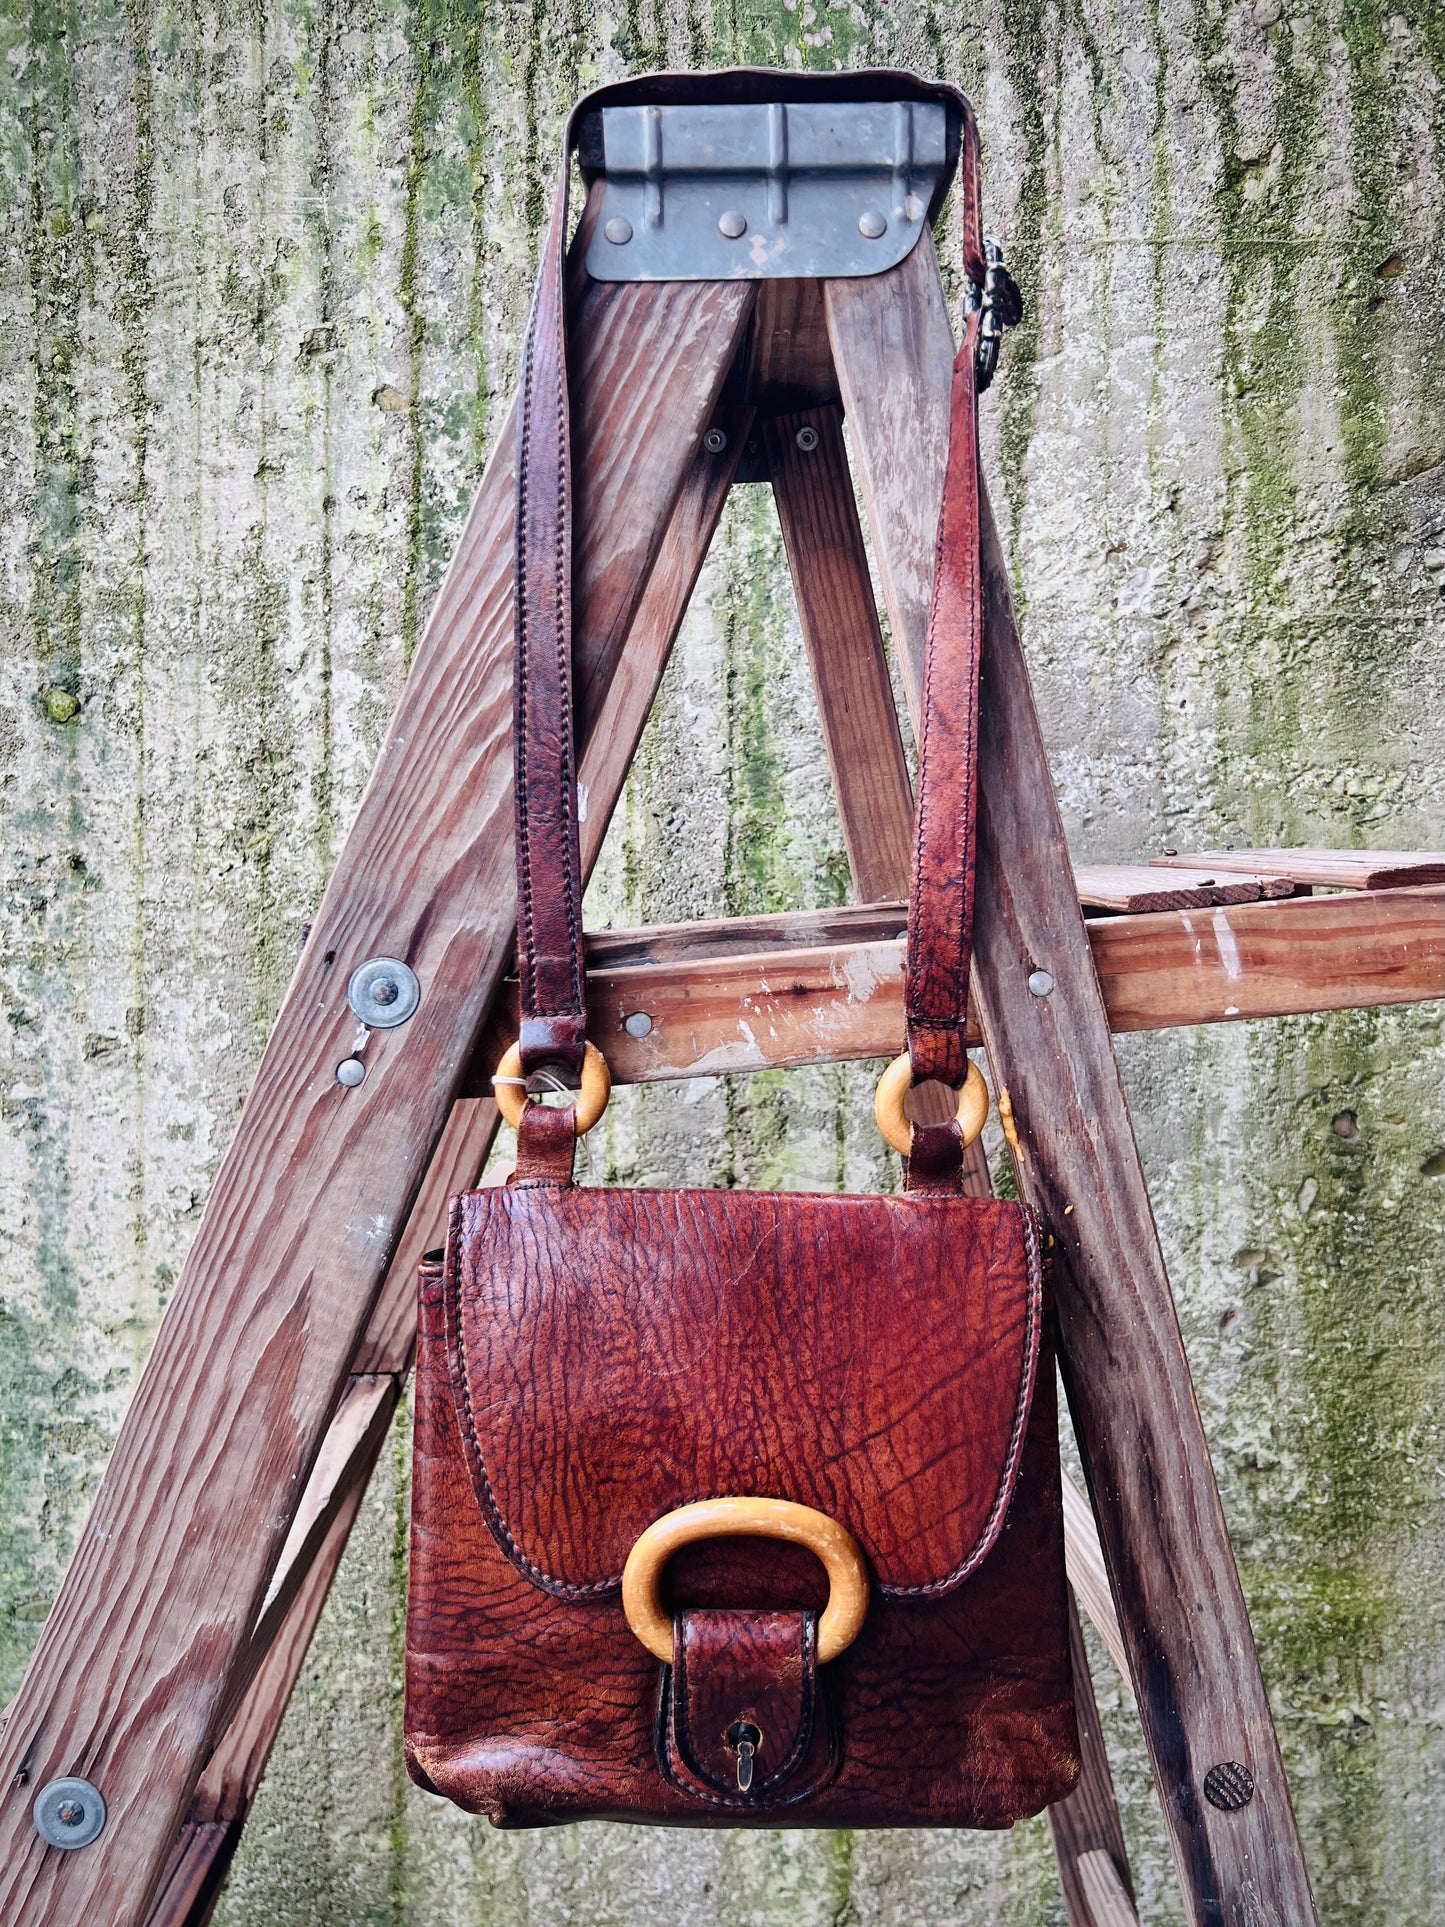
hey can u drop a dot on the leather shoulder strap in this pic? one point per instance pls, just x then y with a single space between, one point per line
549 883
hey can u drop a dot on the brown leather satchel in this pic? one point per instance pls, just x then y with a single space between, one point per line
734 1508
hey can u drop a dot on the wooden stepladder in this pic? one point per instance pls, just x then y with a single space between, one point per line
162 1672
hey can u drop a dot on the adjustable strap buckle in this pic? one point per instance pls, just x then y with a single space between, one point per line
1002 306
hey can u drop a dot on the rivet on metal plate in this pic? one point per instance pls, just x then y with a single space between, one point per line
872 225
732 225
618 230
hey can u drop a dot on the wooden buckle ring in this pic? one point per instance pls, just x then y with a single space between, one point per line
895 1084
509 1088
833 1544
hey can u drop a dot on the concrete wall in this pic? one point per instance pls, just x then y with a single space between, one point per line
264 272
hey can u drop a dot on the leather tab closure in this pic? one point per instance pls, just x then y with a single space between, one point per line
743 1719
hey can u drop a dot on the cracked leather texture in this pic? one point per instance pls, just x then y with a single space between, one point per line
949 1709
616 1354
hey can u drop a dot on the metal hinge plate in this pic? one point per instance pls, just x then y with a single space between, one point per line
761 191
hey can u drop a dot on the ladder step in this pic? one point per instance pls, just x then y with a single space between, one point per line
820 987
1333 869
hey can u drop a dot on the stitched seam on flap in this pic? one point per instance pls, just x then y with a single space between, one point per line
496 1520
1004 1496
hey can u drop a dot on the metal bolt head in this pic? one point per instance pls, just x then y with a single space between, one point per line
714 441
872 225
69 1813
807 439
731 224
1040 983
383 991
350 1071
1229 1786
637 1024
618 230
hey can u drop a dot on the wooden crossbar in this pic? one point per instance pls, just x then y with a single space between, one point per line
824 987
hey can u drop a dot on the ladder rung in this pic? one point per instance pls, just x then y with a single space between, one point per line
807 993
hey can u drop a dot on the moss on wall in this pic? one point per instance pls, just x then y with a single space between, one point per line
265 269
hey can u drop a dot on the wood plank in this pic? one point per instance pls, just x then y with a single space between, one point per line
713 1012
1338 869
829 565
215 1450
1131 888
1105 1897
1088 1576
1086 1825
1196 1675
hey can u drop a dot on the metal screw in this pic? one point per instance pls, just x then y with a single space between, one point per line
731 224
1229 1786
639 1024
350 1072
69 1813
871 224
383 992
618 230
807 439
1040 983
714 441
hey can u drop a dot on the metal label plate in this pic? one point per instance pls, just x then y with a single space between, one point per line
763 191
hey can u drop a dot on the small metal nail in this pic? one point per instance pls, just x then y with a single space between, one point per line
871 224
1229 1786
1040 983
69 1813
807 439
350 1072
714 441
383 992
637 1024
618 230
732 225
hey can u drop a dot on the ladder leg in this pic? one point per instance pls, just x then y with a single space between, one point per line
1088 1839
829 565
1195 1671
228 1786
132 1668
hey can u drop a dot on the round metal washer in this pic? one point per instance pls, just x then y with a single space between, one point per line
807 438
715 441
383 992
69 1813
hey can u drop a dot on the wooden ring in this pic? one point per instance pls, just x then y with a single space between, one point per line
833 1544
511 1093
895 1084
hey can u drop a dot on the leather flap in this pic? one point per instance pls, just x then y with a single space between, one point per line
616 1354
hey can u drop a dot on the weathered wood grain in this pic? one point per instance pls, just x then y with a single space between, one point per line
1201 1696
1338 869
161 1597
829 567
1130 888
1087 1822
348 1452
1104 1895
714 1005
1087 1573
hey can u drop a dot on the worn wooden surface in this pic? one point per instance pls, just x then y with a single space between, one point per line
1088 1823
264 275
1131 888
294 1246
713 1006
1338 869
